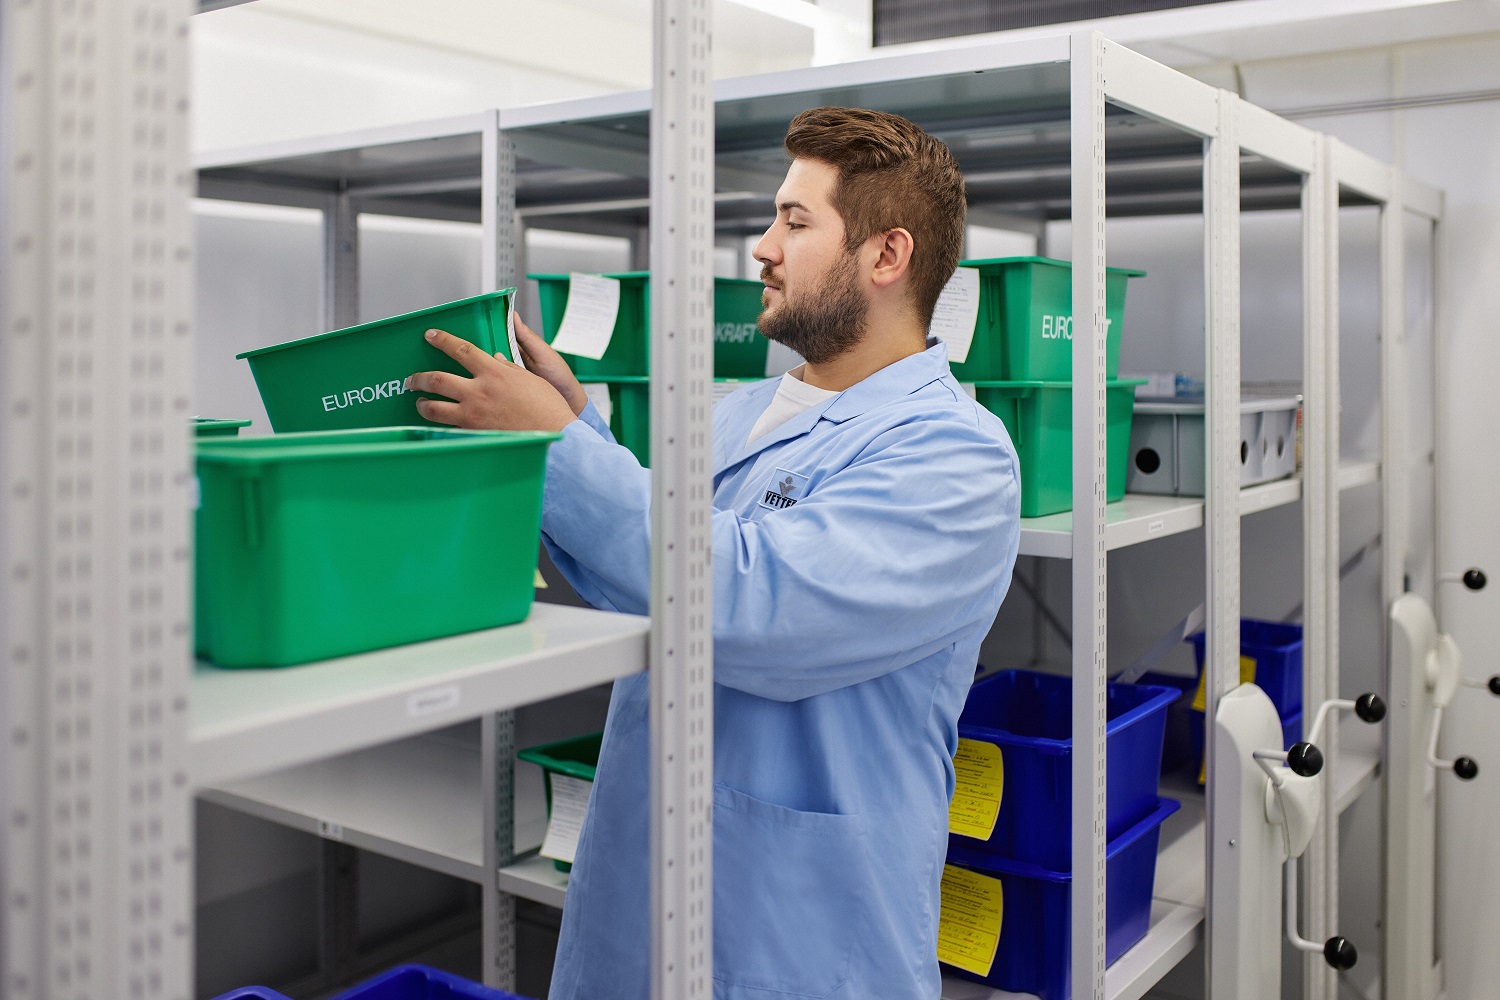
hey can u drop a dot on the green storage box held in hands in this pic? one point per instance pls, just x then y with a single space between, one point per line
319 545
356 377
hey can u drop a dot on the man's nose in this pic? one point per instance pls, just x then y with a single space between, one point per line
766 250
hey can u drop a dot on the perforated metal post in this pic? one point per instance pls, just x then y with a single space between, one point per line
1090 582
1319 472
1221 515
95 374
682 149
498 268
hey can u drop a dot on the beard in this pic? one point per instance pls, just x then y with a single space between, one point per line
827 323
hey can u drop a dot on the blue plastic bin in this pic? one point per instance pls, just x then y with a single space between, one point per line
253 993
1177 745
1276 648
1291 732
419 982
1033 952
1029 716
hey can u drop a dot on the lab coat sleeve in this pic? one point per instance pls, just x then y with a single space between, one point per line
886 561
595 419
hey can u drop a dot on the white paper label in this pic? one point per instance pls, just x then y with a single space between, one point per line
598 394
510 331
589 320
956 313
432 700
570 800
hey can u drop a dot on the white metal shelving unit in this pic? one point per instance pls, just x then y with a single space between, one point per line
1038 126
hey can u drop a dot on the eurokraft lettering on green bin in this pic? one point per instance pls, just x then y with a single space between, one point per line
739 348
356 377
312 546
1039 417
1024 331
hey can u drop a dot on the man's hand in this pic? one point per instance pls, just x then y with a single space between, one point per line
501 396
544 361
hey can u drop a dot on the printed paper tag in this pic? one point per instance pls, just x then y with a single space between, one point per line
1247 676
589 320
510 330
979 773
969 928
570 801
598 394
956 312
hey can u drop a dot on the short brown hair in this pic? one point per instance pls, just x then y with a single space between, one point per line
891 175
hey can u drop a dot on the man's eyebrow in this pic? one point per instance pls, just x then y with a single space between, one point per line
787 206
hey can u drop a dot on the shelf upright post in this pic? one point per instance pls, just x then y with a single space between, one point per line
681 660
1319 468
1090 579
95 390
498 269
1221 515
340 262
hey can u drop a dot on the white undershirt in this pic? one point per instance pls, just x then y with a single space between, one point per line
793 396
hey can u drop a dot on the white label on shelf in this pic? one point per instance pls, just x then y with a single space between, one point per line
598 394
1155 526
956 312
432 700
589 320
570 800
330 831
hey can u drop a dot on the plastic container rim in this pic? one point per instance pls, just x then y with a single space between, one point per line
1162 697
236 452
1129 272
1196 406
376 323
1005 866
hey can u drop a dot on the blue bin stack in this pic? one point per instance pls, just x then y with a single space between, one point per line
1276 648
1028 716
404 982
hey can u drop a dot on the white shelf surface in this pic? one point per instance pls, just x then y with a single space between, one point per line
1357 764
1141 517
247 721
535 878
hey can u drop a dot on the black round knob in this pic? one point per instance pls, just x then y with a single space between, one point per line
1305 759
1339 952
1465 768
1475 579
1370 707
1495 685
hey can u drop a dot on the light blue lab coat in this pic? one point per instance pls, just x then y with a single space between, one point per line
846 630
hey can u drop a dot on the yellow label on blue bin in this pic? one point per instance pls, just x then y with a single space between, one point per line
979 784
969 928
1247 676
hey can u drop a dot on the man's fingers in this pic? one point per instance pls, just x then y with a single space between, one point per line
442 383
460 350
440 412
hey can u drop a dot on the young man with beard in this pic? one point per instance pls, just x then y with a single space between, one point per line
864 531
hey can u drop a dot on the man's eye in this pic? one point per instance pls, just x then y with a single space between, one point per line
795 225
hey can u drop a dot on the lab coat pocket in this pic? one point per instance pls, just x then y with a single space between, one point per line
787 891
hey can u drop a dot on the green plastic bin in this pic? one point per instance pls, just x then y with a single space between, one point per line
1039 417
1024 331
630 408
577 758
319 545
356 377
739 348
208 427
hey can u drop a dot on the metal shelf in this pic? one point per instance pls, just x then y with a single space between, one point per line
1357 764
535 878
247 722
1141 517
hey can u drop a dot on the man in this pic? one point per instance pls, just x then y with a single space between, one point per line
864 531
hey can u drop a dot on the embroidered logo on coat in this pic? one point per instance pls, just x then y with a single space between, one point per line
784 490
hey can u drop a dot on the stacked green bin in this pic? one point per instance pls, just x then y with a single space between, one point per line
1024 330
577 757
630 409
319 545
209 427
1039 417
739 348
356 377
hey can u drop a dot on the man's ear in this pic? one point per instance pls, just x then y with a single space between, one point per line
893 256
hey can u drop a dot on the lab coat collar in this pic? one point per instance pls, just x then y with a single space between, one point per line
890 383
